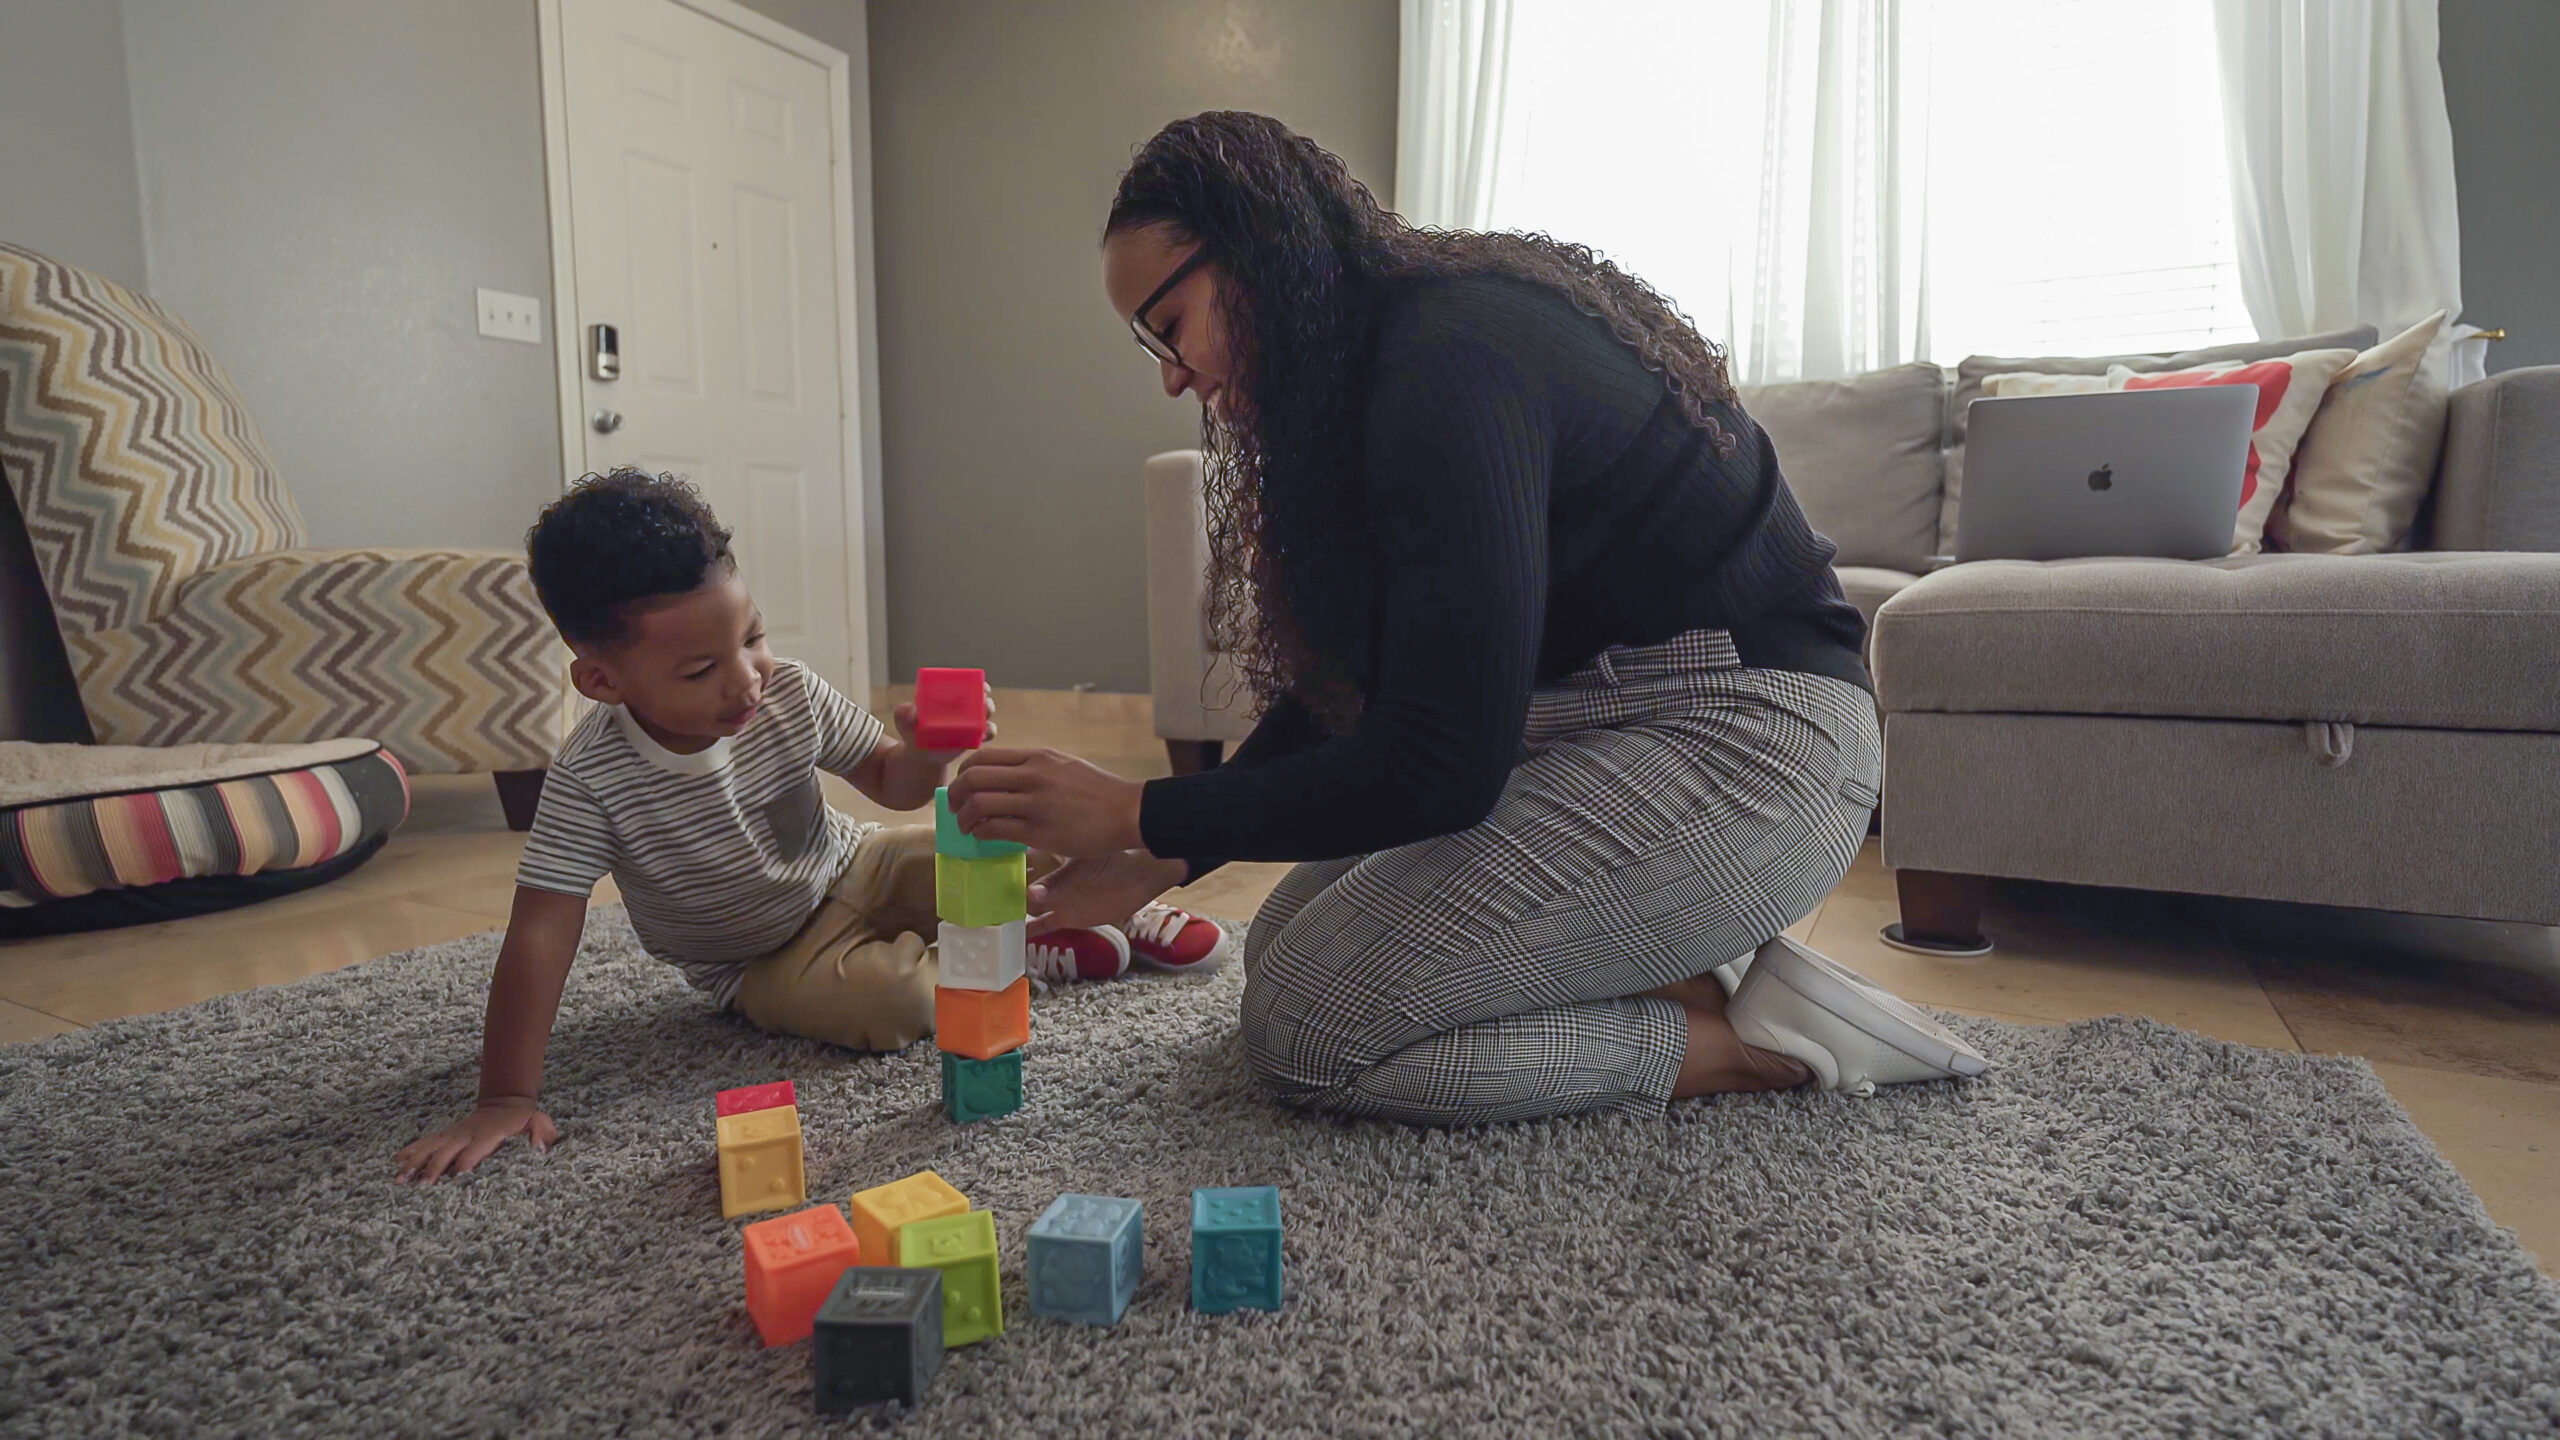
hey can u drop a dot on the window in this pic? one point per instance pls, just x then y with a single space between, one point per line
2022 176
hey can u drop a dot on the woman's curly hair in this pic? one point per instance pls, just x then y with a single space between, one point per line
1307 254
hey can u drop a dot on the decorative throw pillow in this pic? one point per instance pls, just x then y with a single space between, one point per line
2289 394
2367 462
2027 382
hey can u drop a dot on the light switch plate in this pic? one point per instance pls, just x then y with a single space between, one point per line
510 317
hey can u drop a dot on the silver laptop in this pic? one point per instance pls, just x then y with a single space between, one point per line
2152 473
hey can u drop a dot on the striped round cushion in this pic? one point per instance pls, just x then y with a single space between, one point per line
77 821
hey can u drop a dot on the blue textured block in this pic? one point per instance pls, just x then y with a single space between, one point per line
949 839
1086 1252
1235 1249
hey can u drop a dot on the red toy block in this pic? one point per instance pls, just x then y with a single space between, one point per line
951 709
757 1097
792 1262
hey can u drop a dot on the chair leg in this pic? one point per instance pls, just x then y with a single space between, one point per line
519 793
1941 911
1190 757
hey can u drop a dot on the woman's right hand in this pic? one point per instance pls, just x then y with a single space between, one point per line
1106 890
458 1147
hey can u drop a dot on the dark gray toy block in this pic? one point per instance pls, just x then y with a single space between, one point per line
878 1337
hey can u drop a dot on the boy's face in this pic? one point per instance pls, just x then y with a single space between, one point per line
691 668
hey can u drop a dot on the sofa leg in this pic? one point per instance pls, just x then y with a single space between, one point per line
519 792
1941 913
1190 757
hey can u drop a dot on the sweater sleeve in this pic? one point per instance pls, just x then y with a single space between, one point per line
1456 457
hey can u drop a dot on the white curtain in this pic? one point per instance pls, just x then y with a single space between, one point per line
2341 163
1451 111
1760 161
1838 254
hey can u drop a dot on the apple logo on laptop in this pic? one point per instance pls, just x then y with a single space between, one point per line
2104 477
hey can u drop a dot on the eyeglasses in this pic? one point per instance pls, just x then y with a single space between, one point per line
1154 344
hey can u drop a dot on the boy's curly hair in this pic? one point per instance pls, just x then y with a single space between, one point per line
616 539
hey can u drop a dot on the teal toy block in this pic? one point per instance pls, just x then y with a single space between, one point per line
963 1248
974 1090
949 839
1086 1253
1235 1249
991 892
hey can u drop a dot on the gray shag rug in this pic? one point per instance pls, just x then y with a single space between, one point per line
2129 1229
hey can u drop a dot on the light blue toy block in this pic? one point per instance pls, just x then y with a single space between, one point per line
949 839
1086 1253
1235 1249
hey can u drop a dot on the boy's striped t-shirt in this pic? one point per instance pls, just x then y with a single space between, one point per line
721 855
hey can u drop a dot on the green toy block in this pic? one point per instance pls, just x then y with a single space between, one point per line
963 1248
949 839
982 892
974 1090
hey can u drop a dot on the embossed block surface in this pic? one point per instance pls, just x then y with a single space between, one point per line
756 1097
981 892
881 1211
982 1024
963 1248
980 957
974 1090
792 1262
760 1161
1086 1252
879 1337
1235 1249
951 709
949 839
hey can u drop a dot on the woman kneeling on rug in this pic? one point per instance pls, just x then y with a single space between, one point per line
1563 708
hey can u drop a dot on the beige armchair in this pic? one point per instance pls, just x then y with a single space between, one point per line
189 601
1201 707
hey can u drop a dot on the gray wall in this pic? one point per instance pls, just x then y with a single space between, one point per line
2501 62
66 137
1016 410
323 186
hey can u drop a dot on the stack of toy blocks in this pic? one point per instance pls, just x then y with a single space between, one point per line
982 1010
759 1134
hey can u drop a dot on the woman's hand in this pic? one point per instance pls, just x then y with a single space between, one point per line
1081 894
1048 801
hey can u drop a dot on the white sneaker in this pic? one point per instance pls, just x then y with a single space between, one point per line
1854 1035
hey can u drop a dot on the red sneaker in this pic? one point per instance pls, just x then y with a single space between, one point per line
1171 939
1063 957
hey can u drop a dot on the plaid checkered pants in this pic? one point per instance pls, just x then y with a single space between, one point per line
1673 811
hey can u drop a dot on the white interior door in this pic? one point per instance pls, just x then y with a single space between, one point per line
704 230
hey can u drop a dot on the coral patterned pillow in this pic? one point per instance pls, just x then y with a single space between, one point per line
2289 394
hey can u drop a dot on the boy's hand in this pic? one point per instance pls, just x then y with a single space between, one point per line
904 776
464 1144
905 719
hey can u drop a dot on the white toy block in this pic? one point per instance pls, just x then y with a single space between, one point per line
981 957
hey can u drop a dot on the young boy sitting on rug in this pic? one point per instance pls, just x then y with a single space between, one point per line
694 783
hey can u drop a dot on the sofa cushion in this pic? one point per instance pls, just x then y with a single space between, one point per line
1869 586
1977 368
2440 640
1862 456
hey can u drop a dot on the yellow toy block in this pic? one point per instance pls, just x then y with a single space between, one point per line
760 1161
881 1212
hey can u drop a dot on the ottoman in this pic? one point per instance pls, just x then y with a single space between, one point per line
2378 731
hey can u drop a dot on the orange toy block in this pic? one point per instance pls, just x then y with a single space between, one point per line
793 1261
760 1161
880 1212
982 1024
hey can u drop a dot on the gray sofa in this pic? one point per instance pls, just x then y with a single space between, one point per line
2379 731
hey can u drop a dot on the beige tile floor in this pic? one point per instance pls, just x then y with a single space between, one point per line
2460 1019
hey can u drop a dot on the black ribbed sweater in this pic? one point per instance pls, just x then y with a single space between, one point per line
1537 496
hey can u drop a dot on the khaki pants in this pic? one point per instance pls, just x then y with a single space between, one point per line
861 973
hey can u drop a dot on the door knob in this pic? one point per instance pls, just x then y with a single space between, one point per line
606 421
